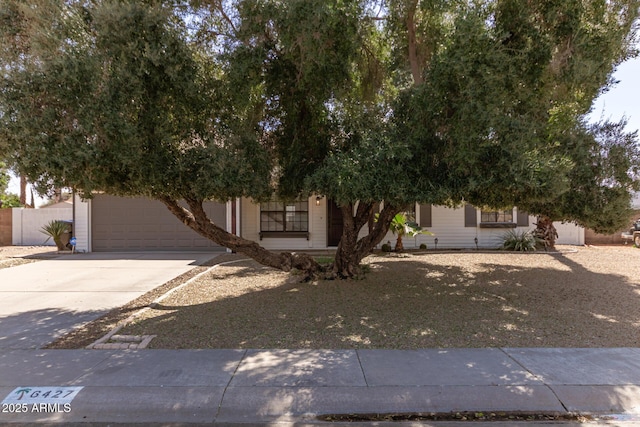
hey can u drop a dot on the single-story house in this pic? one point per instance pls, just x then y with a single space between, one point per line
110 223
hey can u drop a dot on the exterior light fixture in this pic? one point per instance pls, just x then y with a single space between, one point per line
318 198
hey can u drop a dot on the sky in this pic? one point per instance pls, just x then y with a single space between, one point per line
622 100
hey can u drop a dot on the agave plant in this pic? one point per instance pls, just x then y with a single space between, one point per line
55 229
525 241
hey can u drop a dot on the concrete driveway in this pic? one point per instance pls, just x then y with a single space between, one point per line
43 300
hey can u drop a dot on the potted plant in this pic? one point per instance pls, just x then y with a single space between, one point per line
59 231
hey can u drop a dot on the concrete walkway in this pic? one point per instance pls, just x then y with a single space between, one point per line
287 387
43 300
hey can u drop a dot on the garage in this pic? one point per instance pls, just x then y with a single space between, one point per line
138 224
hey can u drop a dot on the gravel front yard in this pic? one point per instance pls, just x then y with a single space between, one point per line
11 256
588 298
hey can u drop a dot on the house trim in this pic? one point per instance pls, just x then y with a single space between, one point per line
497 225
284 234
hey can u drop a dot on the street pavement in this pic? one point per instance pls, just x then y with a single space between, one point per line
256 387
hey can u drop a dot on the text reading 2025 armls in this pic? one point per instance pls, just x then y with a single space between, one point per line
15 408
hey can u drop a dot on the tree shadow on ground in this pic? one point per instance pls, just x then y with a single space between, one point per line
416 303
36 329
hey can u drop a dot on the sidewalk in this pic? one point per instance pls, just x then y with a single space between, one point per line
287 387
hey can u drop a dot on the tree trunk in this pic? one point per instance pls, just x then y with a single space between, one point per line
57 195
196 218
399 247
414 57
351 251
546 231
58 242
23 190
349 254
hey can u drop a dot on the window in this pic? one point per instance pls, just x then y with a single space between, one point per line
284 216
496 216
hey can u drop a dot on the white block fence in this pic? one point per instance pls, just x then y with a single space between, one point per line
27 224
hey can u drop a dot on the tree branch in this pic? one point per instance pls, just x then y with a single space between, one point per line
414 61
380 229
218 6
362 214
196 218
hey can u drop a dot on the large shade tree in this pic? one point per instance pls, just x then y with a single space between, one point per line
606 169
362 101
520 101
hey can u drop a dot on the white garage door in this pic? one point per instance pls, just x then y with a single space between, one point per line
137 224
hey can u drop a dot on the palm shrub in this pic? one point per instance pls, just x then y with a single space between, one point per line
404 225
524 241
55 229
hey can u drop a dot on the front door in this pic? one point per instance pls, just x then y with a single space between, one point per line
334 223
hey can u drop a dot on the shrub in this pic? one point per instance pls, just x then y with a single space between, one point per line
324 260
386 247
423 246
521 242
404 225
56 229
9 201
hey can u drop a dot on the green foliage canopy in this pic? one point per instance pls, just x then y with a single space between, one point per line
4 178
117 100
396 101
7 200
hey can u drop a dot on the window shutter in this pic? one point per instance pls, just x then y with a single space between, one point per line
425 216
470 217
523 219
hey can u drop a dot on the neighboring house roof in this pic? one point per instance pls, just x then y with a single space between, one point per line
65 204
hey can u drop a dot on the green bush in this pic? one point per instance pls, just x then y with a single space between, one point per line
521 242
9 201
386 247
423 246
